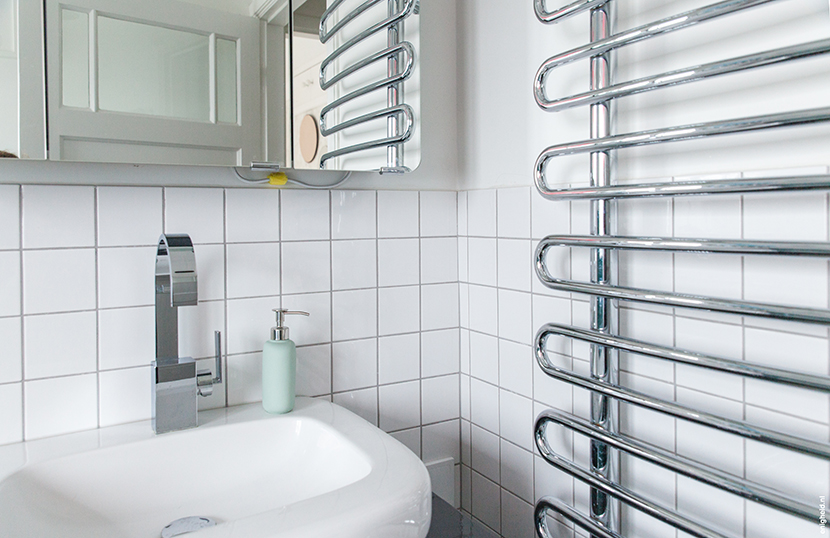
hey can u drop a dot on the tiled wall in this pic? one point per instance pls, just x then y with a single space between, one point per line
503 390
376 270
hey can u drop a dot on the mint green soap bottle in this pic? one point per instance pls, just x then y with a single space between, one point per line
279 367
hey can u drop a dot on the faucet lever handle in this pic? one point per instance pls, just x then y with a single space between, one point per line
205 379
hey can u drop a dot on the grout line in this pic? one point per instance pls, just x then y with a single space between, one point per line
226 323
22 321
330 199
420 327
96 237
377 307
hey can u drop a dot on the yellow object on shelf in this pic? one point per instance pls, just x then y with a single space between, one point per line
277 178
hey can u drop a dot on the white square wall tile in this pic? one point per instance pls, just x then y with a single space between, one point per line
58 216
548 217
516 417
514 316
354 264
516 364
484 405
305 215
250 322
462 213
442 441
126 337
514 212
197 326
253 269
411 439
400 406
439 214
785 280
244 379
465 352
482 261
11 351
787 216
210 267
60 344
517 470
466 489
717 217
252 215
314 370
440 352
466 441
484 308
129 216
398 310
11 420
481 213
485 453
486 501
399 358
363 403
439 260
439 399
484 357
306 267
9 217
59 280
353 215
714 275
397 214
10 283
515 264
517 517
61 405
126 276
354 314
198 212
354 364
398 262
439 306
312 329
463 260
125 395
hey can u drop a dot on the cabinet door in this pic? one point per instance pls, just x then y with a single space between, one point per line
156 81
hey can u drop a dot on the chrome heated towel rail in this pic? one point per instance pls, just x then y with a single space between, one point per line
606 392
400 60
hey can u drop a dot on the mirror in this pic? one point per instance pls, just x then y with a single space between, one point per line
356 79
201 82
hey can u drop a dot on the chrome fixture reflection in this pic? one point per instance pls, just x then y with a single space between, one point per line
175 379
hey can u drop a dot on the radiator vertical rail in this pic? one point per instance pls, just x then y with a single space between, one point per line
394 97
604 459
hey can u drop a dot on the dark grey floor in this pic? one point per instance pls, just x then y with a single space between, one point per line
447 522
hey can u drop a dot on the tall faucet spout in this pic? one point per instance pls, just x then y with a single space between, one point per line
176 285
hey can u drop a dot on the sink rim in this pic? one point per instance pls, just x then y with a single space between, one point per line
397 483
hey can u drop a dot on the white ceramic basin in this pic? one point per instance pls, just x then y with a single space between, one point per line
318 471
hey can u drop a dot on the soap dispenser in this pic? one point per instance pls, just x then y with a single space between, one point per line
279 367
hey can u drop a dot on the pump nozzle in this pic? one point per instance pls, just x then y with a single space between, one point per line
280 332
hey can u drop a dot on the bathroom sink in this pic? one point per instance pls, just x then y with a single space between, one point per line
318 471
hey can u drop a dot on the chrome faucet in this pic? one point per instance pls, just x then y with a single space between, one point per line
176 382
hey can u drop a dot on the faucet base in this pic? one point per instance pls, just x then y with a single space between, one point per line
174 402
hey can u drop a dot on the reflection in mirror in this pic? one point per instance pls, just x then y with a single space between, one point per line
356 74
209 82
154 82
9 140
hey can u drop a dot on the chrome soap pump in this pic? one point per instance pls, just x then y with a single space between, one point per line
279 367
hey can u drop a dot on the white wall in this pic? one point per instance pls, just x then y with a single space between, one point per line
501 219
377 270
